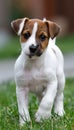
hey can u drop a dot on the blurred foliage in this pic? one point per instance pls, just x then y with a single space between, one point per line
66 43
12 49
17 13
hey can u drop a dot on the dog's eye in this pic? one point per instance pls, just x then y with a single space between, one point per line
26 35
42 37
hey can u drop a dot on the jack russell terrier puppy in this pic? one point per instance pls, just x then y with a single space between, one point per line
39 68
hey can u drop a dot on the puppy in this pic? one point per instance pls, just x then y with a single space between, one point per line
39 68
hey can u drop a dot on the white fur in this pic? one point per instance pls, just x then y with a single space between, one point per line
21 26
44 19
30 41
43 74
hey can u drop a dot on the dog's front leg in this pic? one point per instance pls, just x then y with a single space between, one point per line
22 99
44 111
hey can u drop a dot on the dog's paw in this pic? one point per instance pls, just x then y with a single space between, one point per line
59 112
41 115
23 120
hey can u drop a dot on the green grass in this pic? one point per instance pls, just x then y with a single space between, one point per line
12 48
9 113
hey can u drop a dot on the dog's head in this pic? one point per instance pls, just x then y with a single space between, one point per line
34 34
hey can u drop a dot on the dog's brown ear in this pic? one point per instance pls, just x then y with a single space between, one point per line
18 25
53 29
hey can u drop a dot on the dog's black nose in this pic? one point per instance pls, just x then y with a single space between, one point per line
33 48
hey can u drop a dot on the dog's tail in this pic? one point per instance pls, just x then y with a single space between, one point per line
52 42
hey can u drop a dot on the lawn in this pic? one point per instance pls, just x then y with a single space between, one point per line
9 112
12 48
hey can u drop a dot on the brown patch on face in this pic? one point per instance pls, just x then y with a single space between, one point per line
42 35
27 31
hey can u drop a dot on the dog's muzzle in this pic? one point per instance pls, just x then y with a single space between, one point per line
34 50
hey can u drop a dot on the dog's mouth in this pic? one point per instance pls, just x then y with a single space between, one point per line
37 53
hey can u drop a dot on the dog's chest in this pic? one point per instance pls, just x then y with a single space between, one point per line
34 78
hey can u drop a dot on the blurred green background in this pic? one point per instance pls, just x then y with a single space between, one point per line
13 9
